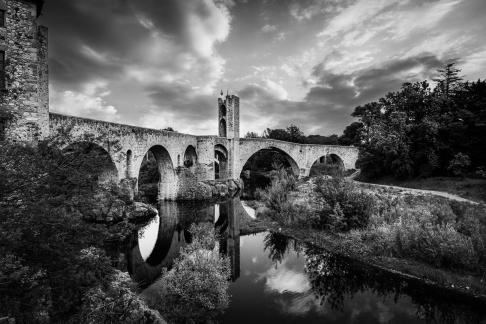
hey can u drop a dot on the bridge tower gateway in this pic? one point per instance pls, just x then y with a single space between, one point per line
229 128
24 89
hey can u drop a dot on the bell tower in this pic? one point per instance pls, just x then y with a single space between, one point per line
229 116
229 128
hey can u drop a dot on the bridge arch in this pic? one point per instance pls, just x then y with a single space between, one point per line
290 160
328 164
157 168
93 162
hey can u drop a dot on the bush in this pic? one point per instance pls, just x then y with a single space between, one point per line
343 206
440 245
196 288
459 164
276 197
117 303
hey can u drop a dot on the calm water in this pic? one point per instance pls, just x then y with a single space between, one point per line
278 280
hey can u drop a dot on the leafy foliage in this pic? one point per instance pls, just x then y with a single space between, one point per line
42 234
419 130
195 290
343 206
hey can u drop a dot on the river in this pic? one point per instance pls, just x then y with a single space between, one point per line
276 279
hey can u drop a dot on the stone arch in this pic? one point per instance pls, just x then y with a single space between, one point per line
94 160
190 157
293 164
222 128
220 162
330 164
222 110
165 177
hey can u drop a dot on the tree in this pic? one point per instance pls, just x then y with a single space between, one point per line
295 134
448 80
351 134
251 135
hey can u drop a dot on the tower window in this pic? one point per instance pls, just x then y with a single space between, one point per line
2 70
2 18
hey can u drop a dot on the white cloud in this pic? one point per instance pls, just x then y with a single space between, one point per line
269 28
89 102
282 279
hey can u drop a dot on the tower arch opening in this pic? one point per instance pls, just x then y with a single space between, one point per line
222 128
190 157
220 162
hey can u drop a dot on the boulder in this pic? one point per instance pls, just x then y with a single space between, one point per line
127 190
222 189
203 191
232 186
139 212
116 212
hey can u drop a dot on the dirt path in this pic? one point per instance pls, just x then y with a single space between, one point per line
423 191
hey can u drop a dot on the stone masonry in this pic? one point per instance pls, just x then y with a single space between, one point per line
24 101
25 117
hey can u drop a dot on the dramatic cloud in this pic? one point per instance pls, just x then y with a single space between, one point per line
308 62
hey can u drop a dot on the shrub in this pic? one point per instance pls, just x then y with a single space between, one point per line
117 303
344 207
277 198
196 288
459 164
440 245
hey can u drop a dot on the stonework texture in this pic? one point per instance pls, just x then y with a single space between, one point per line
24 103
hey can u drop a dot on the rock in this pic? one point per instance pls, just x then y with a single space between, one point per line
138 212
232 186
222 189
127 189
116 212
203 191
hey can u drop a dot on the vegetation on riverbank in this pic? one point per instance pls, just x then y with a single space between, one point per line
196 289
434 231
53 265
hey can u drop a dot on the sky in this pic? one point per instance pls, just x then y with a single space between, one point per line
163 63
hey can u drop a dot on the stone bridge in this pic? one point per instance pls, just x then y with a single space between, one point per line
183 160
212 157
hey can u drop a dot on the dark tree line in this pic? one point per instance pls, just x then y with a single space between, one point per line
417 131
295 135
420 131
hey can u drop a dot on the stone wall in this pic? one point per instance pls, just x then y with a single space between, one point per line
24 103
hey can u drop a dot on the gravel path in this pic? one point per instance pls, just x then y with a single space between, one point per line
423 191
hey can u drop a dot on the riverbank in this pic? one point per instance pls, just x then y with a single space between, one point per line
390 223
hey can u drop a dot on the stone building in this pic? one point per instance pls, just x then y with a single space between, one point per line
24 85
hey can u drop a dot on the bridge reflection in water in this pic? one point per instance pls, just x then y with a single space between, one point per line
286 281
156 245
